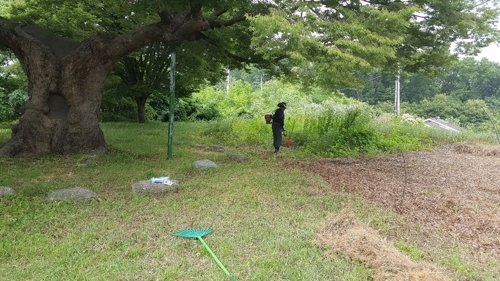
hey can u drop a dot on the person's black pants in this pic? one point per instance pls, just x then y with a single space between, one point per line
277 136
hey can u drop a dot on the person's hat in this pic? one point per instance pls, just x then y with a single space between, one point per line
282 104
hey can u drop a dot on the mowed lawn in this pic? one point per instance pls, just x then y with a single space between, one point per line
265 213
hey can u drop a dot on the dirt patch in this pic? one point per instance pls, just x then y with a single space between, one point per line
361 243
453 190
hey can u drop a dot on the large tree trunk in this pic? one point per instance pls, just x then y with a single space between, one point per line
66 80
141 108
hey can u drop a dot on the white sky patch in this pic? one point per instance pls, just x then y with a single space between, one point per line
265 1
492 53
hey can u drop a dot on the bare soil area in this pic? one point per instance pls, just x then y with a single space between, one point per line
454 191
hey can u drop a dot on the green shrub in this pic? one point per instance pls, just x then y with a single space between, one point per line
341 133
118 110
10 104
240 131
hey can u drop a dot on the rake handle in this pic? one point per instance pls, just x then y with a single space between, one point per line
216 259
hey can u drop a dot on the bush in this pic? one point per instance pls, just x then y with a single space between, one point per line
341 134
10 104
237 131
118 110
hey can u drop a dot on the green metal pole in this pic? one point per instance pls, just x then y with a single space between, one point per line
171 105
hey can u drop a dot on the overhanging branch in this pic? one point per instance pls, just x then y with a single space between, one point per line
218 13
230 55
165 16
249 60
219 24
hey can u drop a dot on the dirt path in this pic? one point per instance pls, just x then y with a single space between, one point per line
454 189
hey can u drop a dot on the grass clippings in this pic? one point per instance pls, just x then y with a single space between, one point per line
342 235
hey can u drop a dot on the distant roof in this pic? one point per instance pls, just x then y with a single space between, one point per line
437 122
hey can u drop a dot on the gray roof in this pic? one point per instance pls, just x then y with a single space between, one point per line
437 122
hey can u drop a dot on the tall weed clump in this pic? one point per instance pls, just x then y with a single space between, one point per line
399 133
409 133
330 131
240 131
337 133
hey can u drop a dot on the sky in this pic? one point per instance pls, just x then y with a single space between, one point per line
492 53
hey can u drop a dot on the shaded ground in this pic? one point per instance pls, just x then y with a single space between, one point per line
453 190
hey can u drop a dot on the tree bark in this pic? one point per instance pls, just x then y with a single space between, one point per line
66 80
141 108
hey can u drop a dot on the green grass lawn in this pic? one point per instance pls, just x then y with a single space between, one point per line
265 214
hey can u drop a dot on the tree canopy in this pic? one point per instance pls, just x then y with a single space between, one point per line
331 39
314 41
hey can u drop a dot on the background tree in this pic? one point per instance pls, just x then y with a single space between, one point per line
144 74
325 42
417 87
441 105
377 87
471 79
13 92
475 112
469 24
331 39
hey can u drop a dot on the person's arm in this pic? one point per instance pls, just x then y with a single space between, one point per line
282 118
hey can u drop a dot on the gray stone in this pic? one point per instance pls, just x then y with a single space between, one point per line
217 147
237 157
87 163
5 190
204 165
71 193
149 187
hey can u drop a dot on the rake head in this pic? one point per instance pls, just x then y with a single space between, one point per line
193 232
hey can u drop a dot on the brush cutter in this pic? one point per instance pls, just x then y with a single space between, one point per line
198 233
289 141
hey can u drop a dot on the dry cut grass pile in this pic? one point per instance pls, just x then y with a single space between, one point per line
361 243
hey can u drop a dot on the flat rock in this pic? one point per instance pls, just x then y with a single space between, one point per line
70 194
5 190
216 147
147 186
237 157
204 164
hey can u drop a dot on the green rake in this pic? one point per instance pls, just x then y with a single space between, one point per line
198 233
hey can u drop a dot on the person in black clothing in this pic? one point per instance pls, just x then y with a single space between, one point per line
278 126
